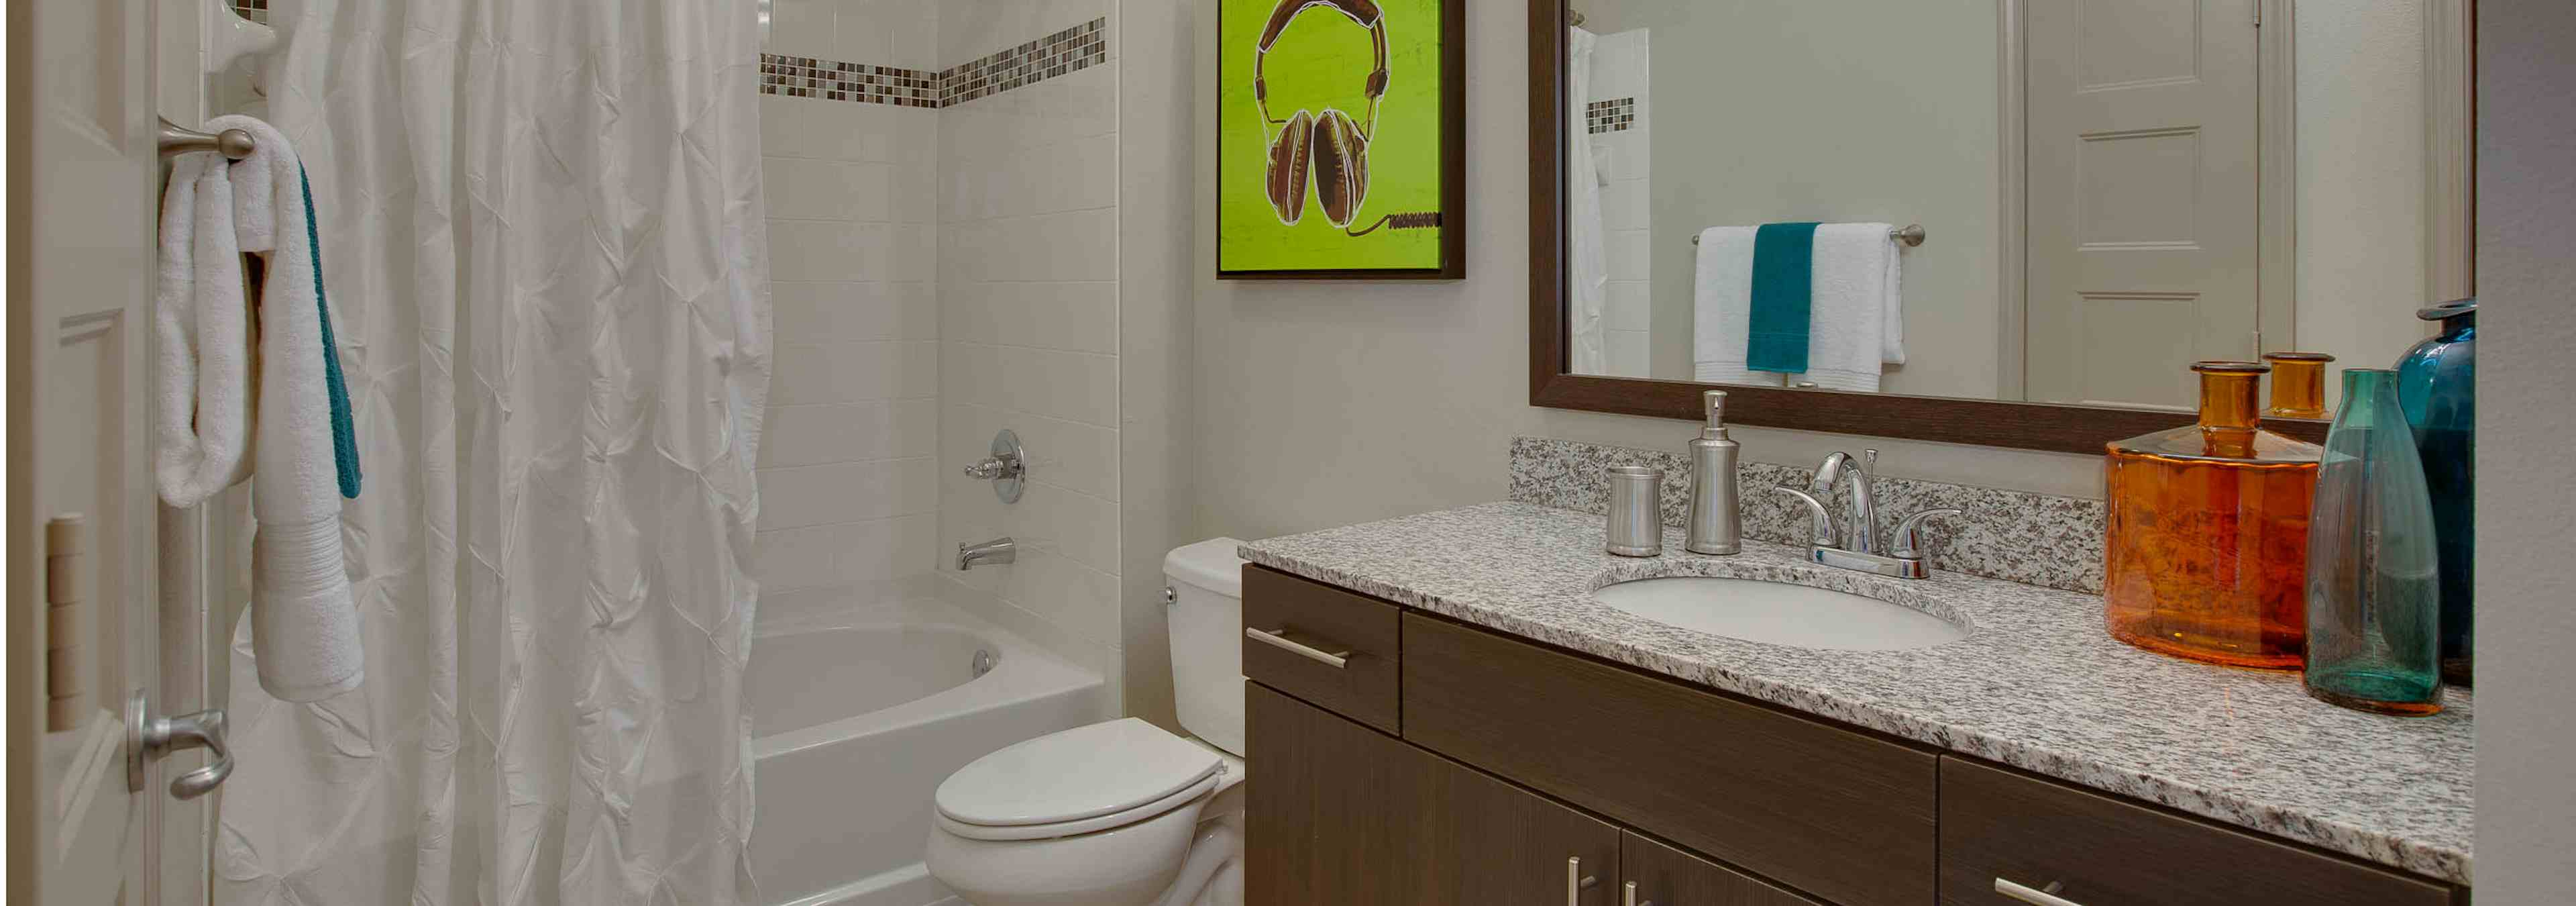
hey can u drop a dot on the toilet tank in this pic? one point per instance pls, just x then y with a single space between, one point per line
1206 626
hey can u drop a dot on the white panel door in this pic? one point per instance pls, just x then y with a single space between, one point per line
83 185
2141 199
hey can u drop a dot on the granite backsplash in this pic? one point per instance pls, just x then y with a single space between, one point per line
2018 536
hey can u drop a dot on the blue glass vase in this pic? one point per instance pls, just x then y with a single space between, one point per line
2374 604
2437 386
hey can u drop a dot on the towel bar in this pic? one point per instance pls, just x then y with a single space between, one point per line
233 144
1911 234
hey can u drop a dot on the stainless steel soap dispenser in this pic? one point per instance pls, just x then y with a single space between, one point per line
1716 525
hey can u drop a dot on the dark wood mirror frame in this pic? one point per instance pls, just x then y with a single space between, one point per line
2027 426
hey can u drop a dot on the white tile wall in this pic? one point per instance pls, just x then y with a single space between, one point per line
940 275
849 497
1028 305
1619 70
900 33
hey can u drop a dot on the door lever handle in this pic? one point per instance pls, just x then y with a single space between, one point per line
150 738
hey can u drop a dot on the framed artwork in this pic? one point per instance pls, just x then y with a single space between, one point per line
1341 139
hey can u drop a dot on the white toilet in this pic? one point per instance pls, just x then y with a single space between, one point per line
1120 813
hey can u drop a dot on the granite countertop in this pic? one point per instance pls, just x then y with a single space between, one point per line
2037 684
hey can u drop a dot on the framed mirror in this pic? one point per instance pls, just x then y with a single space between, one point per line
1730 193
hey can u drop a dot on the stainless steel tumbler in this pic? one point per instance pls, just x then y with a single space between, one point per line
1636 511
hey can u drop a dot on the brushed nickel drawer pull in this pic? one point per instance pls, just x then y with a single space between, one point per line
2046 896
1278 638
1628 897
1576 882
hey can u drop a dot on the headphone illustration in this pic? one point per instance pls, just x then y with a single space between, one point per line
1330 149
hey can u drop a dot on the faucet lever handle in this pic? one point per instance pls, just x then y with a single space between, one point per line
1907 544
1822 535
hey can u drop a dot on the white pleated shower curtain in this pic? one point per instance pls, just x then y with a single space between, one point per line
541 233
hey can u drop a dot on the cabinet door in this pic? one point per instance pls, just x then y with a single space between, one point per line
1670 877
1345 815
1833 812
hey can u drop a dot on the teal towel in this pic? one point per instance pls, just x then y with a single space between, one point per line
1784 273
344 427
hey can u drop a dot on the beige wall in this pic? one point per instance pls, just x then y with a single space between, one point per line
1319 404
2526 782
2361 161
1158 43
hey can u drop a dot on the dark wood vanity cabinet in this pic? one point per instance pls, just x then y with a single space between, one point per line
1355 817
1667 876
1311 617
1833 812
1464 766
2098 849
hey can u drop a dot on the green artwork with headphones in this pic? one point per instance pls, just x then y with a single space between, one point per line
1340 137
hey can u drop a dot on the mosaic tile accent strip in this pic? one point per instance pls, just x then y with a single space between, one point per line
2017 536
806 77
1613 115
254 10
1069 51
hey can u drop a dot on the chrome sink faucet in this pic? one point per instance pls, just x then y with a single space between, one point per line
1826 545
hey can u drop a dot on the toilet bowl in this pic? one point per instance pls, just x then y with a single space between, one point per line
1118 813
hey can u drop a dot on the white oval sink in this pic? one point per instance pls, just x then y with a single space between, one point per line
1780 613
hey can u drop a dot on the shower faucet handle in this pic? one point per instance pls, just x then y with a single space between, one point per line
992 467
1007 467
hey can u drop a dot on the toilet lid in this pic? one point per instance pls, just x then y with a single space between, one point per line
1084 772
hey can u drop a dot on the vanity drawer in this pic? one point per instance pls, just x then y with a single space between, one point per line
1999 825
1322 622
1833 812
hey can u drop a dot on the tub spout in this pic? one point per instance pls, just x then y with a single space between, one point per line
998 550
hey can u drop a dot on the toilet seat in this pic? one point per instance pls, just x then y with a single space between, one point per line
1077 781
1115 819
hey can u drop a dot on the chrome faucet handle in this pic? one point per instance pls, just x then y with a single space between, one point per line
992 467
1822 535
1907 544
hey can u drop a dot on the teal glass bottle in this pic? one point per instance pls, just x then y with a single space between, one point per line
2437 386
2374 604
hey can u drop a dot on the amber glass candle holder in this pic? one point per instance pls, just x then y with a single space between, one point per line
2207 545
2298 384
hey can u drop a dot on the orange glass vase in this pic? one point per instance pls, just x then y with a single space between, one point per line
2298 384
2207 545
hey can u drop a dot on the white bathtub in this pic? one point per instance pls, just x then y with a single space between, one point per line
857 718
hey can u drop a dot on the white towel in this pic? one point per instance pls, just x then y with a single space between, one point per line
304 622
1721 306
1856 313
1856 316
201 336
